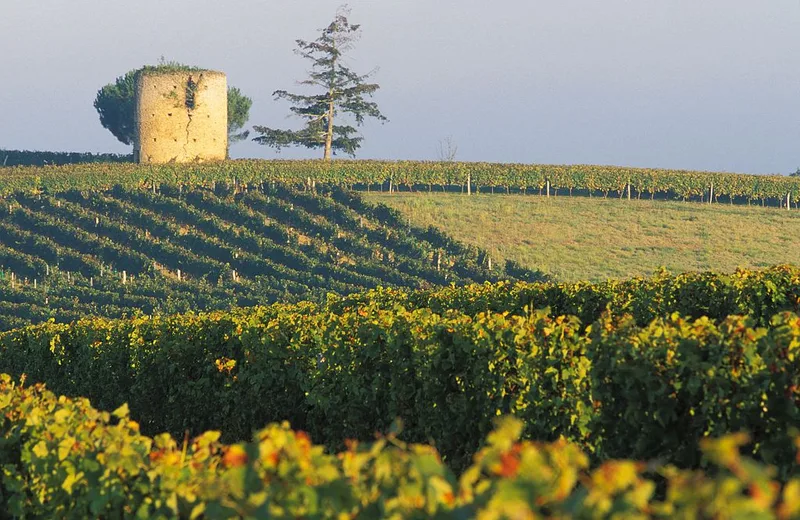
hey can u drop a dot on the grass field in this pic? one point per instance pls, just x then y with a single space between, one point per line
577 238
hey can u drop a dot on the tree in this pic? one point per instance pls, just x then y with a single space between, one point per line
238 113
341 91
795 174
447 149
115 104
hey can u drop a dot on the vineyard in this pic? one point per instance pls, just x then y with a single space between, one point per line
126 250
630 378
64 459
549 180
759 294
207 301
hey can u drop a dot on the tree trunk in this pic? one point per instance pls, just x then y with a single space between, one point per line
329 133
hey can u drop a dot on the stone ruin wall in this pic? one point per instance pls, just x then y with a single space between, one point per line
173 127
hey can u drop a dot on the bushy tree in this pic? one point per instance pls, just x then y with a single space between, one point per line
238 113
115 104
340 90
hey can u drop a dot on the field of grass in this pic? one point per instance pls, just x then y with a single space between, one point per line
577 238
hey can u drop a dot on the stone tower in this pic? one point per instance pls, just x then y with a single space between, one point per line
181 117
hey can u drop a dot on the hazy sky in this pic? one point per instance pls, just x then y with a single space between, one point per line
708 84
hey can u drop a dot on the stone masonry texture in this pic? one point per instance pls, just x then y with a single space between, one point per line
181 117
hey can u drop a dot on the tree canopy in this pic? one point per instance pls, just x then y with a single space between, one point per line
115 104
339 90
238 113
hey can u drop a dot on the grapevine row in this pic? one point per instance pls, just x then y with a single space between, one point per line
620 181
62 458
239 246
759 294
617 389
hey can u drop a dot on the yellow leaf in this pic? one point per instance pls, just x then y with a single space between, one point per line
121 412
197 511
40 450
61 415
64 447
70 481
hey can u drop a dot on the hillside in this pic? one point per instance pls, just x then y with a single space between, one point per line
645 369
581 238
172 249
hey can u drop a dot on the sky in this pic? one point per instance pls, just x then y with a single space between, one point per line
707 85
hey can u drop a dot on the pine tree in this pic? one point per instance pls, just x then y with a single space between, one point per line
342 91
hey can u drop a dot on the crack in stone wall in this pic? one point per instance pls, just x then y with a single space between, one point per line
188 134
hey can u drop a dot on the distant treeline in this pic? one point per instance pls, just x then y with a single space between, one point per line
32 158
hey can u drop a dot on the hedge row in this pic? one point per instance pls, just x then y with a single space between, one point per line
30 158
616 388
61 458
759 294
426 175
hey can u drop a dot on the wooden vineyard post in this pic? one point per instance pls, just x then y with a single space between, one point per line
711 193
124 277
179 275
469 183
629 191
788 201
547 187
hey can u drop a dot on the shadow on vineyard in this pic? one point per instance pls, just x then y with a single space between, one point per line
173 248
